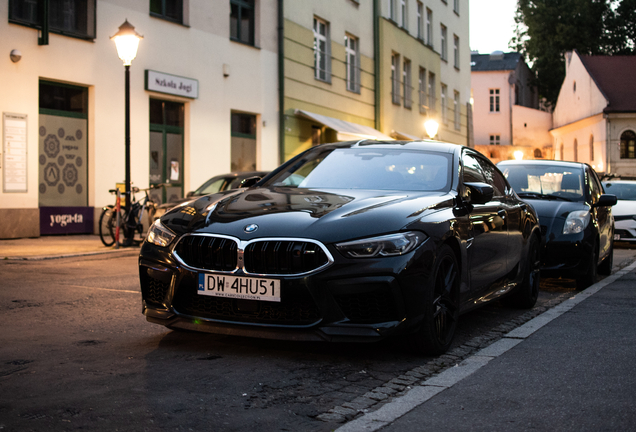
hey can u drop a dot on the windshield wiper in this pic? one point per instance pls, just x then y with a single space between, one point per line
542 196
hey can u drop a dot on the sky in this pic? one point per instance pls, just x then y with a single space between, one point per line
491 25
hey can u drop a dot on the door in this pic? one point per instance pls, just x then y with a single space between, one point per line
489 234
166 149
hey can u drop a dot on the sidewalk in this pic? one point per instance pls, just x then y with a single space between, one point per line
571 368
50 247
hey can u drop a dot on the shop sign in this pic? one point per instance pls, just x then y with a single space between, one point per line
66 220
172 84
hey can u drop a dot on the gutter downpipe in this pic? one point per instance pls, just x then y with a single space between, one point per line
376 63
281 83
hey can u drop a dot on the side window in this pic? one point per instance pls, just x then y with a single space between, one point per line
494 178
593 186
472 169
170 10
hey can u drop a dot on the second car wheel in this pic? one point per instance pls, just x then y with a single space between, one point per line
441 306
590 275
527 293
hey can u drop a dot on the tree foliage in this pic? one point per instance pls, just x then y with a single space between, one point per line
547 29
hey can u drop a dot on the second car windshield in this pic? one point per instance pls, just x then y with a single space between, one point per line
369 168
547 180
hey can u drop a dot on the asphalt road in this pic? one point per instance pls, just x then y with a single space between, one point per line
76 353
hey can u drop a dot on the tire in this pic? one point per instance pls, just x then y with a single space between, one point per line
605 268
525 296
106 234
441 308
590 275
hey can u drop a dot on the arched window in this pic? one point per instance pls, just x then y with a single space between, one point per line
561 151
538 154
591 148
628 145
576 150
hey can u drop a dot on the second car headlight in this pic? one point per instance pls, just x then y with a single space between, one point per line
160 235
388 245
576 222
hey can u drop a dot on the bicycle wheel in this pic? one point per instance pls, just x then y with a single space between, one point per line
106 232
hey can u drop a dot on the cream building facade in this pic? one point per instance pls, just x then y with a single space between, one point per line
201 96
595 114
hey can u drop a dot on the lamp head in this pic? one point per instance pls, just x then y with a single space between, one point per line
431 127
127 42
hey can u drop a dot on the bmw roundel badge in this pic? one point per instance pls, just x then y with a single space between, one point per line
250 228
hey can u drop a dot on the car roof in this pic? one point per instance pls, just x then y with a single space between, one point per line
429 145
543 162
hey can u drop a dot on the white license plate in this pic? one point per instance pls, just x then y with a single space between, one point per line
617 236
239 287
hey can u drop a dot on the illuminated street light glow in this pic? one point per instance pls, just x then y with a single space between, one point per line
518 155
127 42
431 127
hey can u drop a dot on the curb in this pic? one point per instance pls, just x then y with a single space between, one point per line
71 255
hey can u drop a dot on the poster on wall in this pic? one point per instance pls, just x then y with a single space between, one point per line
62 161
14 152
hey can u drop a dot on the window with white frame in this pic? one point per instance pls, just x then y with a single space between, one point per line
322 60
353 69
429 27
495 139
456 51
420 20
442 96
403 14
456 6
457 110
494 100
443 50
392 13
431 92
422 91
395 78
406 81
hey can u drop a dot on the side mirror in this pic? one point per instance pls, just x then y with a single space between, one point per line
250 181
606 200
479 193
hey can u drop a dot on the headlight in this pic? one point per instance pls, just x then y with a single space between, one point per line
389 245
576 222
160 235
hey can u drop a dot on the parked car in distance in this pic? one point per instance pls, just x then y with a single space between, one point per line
216 184
353 241
575 216
625 209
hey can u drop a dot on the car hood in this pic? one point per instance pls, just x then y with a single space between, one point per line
326 215
552 213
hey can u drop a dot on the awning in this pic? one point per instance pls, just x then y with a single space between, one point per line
404 136
346 130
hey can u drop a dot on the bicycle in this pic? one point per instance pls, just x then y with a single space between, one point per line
115 225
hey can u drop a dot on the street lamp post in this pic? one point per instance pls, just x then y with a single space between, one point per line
127 42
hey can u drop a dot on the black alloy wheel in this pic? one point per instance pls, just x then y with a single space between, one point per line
605 268
441 306
592 266
526 295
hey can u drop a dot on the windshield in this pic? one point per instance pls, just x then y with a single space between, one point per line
623 191
546 180
364 168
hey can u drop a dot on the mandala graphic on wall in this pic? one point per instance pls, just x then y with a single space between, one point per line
51 174
78 134
60 161
60 188
42 131
78 161
51 146
42 188
42 159
69 174
61 133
